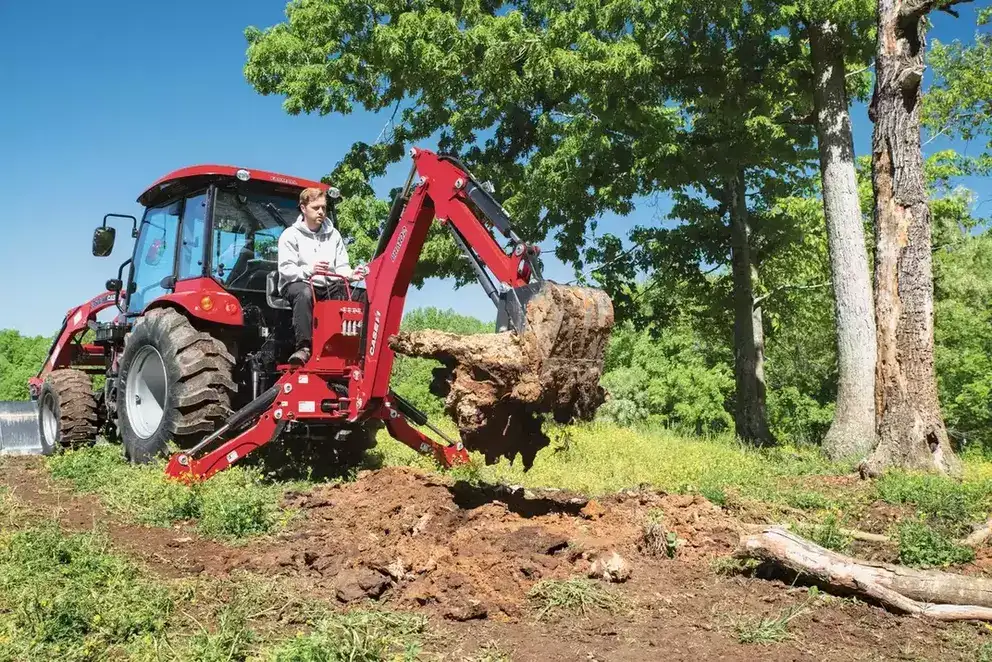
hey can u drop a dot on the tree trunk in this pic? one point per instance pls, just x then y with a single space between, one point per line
939 595
852 433
910 427
750 419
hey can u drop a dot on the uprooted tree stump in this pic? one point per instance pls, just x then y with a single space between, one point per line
499 386
939 595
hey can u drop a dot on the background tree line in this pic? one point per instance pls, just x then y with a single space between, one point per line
784 263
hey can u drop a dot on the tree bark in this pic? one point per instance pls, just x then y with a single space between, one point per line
910 427
852 433
750 418
938 595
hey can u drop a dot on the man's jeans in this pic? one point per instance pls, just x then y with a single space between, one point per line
301 299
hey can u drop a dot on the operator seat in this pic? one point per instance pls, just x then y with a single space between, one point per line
272 296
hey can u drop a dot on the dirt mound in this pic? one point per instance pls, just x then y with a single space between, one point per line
497 386
466 551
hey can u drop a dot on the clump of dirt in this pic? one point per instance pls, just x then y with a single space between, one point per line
497 386
417 540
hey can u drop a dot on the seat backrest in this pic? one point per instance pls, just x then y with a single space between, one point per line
272 292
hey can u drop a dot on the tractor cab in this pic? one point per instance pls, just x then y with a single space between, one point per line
207 245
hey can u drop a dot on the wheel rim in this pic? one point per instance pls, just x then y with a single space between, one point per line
49 421
147 389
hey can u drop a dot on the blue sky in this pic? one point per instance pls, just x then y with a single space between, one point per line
102 98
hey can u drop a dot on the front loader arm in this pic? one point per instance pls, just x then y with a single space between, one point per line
446 192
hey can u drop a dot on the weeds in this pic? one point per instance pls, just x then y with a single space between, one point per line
769 629
576 596
939 498
729 566
828 534
64 597
358 636
923 546
658 541
233 504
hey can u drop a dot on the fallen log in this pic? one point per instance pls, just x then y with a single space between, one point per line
938 595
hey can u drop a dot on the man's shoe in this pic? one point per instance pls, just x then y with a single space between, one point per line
300 356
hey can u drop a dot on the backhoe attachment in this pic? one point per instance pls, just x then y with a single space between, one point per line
546 358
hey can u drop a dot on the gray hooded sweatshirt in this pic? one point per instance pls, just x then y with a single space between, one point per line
300 250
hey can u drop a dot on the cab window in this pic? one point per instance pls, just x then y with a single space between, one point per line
245 241
154 255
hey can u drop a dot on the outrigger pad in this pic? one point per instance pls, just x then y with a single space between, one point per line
499 386
20 432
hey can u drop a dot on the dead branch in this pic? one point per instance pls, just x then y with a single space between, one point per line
916 9
855 534
938 595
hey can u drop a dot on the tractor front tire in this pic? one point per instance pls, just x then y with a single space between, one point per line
174 385
67 411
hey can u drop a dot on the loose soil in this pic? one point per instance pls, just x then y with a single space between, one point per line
467 555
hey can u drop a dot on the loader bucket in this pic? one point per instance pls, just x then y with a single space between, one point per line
20 431
499 387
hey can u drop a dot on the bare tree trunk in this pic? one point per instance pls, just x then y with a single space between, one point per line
750 419
910 427
852 433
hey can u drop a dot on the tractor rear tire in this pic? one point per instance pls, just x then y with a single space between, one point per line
174 385
67 411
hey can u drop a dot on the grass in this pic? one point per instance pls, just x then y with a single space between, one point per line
65 597
69 597
357 636
942 499
601 458
573 597
234 504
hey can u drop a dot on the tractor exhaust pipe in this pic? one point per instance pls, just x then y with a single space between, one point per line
20 431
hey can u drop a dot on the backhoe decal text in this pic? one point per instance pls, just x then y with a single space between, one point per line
375 334
399 244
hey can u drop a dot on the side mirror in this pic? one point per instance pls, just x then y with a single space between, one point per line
114 285
103 241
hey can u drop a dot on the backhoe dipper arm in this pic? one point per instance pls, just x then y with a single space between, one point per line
445 191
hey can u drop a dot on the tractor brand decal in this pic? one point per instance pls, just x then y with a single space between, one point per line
375 334
399 244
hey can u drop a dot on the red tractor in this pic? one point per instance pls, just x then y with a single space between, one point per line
198 352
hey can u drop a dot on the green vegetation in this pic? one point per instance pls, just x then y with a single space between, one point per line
64 596
602 458
20 359
924 546
946 501
768 629
357 636
234 504
573 597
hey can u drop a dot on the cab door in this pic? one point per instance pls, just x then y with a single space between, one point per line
171 246
154 255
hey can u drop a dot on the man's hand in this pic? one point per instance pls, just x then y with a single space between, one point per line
359 273
321 268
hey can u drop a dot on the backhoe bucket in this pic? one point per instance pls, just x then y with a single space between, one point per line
20 431
545 359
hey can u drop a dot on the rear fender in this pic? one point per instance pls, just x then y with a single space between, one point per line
203 299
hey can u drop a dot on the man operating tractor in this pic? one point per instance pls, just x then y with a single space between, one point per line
313 248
